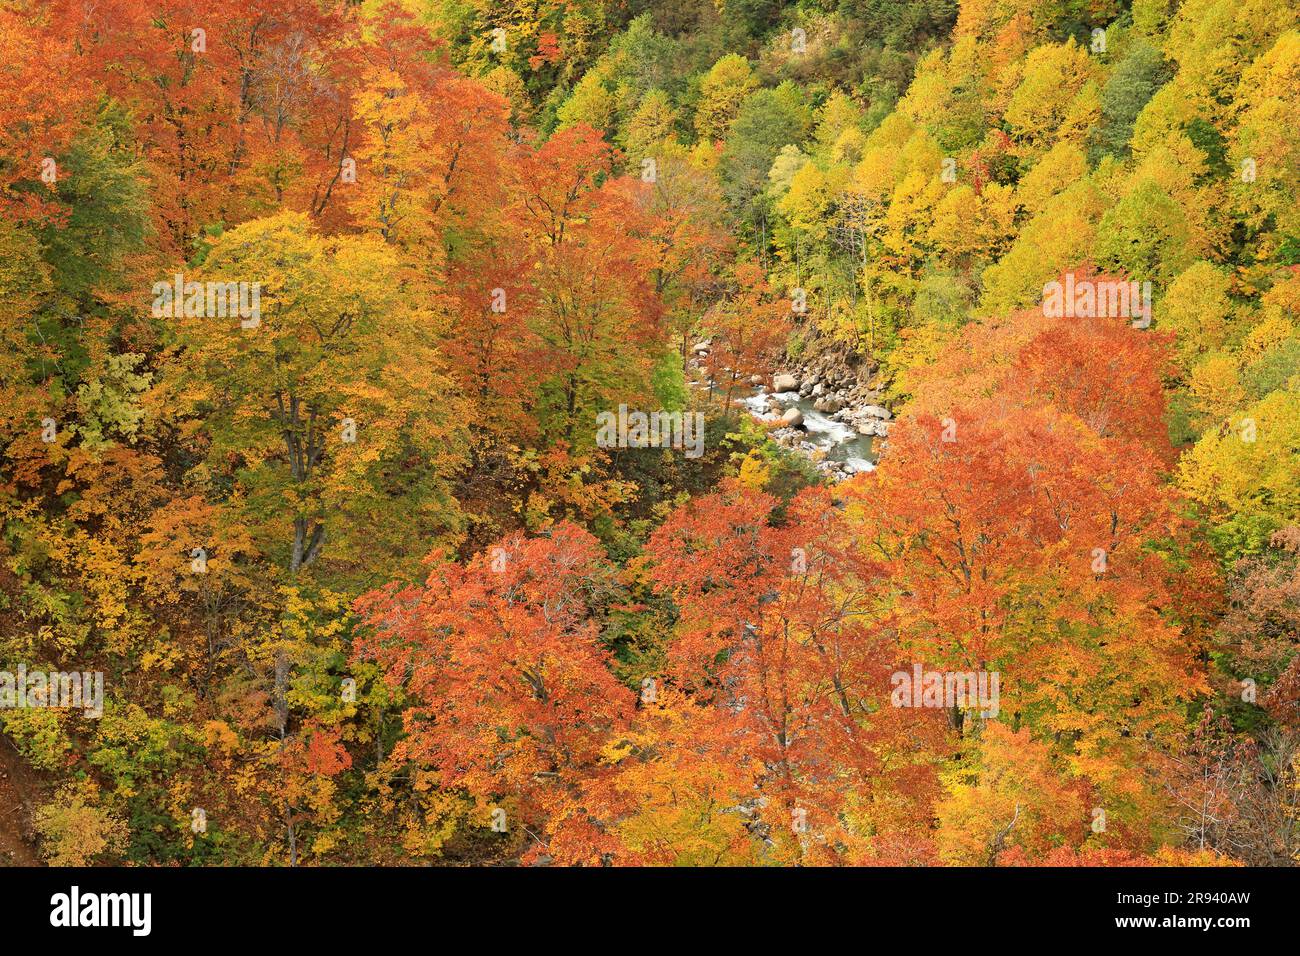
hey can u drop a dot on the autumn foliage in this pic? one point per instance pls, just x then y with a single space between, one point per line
308 313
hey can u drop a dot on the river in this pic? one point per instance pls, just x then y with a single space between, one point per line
839 442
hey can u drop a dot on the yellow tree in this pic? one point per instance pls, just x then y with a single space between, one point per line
1264 152
1247 475
307 380
1056 100
726 84
1197 309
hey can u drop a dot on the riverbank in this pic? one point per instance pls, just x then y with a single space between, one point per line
827 409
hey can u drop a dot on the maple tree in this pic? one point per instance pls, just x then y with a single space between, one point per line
796 669
513 698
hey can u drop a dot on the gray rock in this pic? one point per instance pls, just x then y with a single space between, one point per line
785 383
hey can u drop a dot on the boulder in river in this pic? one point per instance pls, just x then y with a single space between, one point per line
792 418
876 411
785 383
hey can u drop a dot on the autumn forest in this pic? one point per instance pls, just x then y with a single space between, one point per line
650 433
